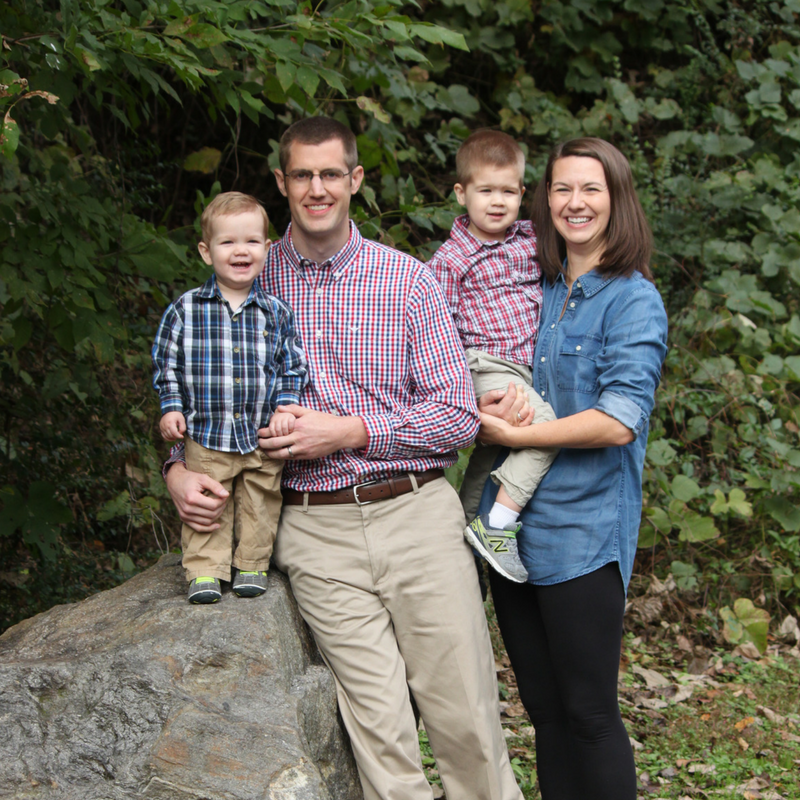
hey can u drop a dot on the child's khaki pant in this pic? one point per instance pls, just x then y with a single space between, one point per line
250 519
524 469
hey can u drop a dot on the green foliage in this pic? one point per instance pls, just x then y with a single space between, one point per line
120 118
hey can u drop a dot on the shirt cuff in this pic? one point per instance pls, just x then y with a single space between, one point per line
173 403
287 398
381 436
176 455
623 410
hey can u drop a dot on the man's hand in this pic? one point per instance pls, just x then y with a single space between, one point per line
172 426
199 499
315 435
281 423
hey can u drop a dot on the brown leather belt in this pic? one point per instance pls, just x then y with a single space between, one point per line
363 493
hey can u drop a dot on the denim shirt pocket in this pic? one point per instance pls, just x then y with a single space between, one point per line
577 364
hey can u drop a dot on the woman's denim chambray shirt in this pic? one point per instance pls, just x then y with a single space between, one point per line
605 353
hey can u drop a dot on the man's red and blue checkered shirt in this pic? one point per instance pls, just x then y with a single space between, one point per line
493 288
381 345
225 370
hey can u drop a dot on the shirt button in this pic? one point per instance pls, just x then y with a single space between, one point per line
266 333
542 392
578 284
553 325
235 349
572 305
239 380
235 317
237 415
322 374
319 292
578 347
542 359
318 334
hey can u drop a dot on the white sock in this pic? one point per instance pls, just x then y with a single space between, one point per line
501 515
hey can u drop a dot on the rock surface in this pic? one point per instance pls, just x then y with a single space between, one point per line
135 693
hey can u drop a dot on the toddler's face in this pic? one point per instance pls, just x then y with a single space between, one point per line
492 197
237 249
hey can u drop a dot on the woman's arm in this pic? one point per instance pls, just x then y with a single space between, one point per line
590 428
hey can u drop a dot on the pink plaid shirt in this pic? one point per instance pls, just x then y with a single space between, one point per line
381 345
493 289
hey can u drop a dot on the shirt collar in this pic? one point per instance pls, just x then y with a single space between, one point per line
471 244
210 290
336 264
591 282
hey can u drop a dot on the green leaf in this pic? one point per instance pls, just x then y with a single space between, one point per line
754 622
9 137
308 80
784 513
205 160
660 453
374 108
684 488
696 528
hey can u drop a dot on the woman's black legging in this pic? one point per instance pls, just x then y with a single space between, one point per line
564 644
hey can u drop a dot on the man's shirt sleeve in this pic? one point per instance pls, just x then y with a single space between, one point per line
444 415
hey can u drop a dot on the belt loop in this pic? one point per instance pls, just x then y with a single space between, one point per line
305 502
413 478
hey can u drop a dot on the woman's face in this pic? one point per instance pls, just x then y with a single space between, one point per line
580 204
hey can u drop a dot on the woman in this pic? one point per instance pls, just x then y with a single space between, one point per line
602 341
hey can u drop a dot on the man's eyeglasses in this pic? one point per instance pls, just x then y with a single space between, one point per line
327 176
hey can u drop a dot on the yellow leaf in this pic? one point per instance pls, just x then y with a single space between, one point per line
744 723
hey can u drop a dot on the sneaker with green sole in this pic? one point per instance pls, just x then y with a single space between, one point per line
498 547
204 590
249 584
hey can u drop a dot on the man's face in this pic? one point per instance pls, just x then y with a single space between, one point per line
320 208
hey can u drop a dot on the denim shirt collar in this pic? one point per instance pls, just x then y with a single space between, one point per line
590 282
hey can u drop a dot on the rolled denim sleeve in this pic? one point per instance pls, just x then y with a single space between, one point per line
630 363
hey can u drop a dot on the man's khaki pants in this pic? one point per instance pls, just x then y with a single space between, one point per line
250 519
524 469
391 594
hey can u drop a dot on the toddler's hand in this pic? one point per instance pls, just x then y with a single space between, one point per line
281 424
172 426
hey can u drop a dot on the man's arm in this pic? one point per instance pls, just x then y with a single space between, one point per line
443 416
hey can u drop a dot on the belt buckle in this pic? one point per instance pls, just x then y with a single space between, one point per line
358 486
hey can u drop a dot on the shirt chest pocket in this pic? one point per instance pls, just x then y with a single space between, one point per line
577 364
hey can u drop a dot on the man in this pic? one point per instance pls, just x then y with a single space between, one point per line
371 532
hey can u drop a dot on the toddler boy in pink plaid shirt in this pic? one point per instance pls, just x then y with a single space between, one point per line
492 282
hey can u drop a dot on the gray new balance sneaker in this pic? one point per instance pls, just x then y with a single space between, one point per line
498 547
249 584
204 590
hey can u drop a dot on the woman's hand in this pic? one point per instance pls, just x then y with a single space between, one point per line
510 404
502 413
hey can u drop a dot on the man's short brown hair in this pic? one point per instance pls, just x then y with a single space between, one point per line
227 204
488 148
317 130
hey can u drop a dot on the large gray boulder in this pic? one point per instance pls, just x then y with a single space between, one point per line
135 693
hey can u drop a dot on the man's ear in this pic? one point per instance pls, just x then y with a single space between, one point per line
280 179
461 194
356 177
205 253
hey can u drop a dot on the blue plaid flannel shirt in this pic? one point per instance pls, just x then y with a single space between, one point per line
226 371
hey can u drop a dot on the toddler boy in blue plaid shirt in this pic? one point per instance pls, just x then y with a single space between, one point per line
225 356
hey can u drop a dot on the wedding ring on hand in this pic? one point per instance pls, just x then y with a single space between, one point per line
289 451
519 417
